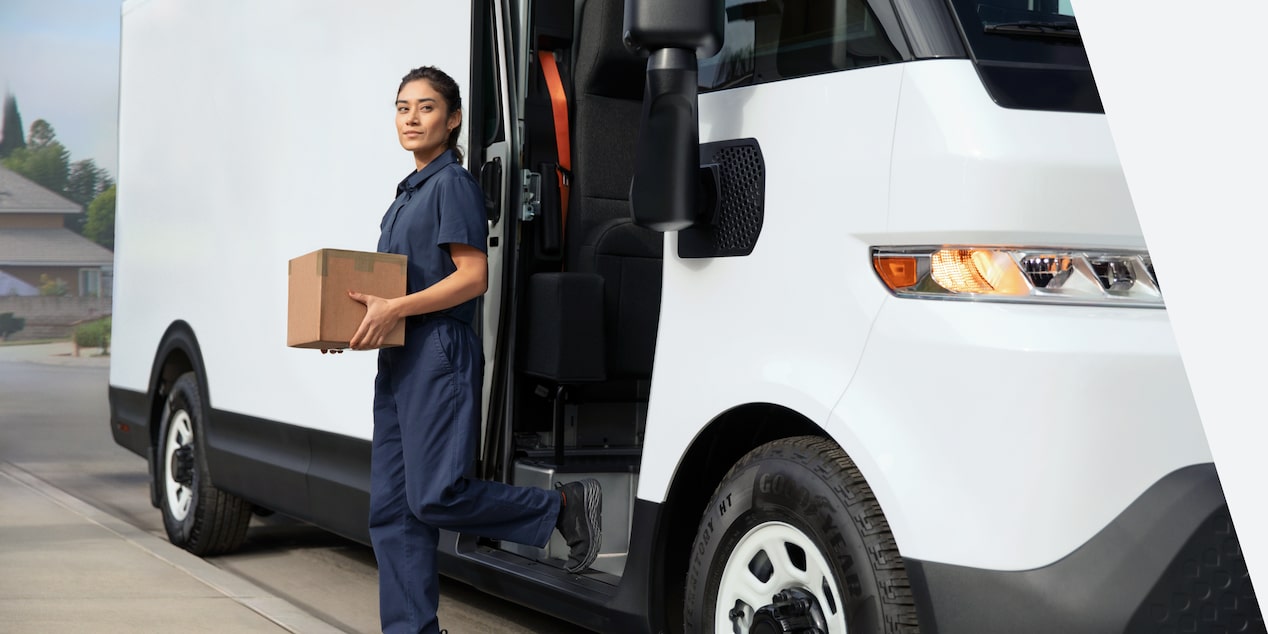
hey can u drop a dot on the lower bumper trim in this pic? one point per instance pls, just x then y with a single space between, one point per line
1170 562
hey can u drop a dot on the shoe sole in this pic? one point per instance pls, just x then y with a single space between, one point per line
593 496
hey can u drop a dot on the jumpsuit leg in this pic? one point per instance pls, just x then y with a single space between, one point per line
426 432
404 547
439 406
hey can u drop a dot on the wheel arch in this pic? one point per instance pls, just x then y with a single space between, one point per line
706 461
178 352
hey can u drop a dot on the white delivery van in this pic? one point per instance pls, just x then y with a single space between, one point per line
844 302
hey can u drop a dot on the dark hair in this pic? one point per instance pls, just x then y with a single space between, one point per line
448 89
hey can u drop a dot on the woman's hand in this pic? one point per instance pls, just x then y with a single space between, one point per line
381 317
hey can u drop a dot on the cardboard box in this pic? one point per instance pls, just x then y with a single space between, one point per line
319 312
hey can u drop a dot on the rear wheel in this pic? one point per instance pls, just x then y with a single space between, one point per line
197 516
794 541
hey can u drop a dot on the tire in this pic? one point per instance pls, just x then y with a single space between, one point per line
795 517
197 516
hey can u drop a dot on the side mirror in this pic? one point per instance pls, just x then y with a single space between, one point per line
651 25
664 190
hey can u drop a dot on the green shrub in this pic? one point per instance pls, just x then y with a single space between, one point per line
50 287
10 324
94 334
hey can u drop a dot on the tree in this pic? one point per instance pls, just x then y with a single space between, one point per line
85 183
44 160
100 225
11 135
42 134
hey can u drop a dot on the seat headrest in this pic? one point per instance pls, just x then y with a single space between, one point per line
604 66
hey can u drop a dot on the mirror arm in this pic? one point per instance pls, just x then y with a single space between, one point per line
663 192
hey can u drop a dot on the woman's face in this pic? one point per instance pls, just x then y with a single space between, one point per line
423 120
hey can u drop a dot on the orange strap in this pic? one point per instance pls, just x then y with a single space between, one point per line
559 104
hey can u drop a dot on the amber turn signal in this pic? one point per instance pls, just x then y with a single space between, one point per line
896 272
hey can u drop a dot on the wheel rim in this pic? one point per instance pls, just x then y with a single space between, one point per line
180 434
770 558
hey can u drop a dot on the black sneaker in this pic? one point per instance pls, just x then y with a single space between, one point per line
579 522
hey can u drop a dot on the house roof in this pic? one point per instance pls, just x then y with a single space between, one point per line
10 285
19 194
50 247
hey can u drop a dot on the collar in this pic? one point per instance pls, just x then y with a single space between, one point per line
417 178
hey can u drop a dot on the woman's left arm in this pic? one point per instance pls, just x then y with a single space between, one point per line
468 281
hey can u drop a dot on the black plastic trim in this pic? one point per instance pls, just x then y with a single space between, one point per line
339 484
741 212
1100 587
129 419
309 474
1041 87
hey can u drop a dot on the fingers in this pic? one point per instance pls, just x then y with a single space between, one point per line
376 325
367 336
331 351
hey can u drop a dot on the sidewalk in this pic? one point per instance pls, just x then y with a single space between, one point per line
57 353
66 566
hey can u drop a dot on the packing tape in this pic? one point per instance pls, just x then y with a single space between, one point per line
361 260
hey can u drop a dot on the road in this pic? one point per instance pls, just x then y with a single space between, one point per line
54 424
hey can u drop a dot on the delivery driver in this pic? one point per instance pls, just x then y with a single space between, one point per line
427 393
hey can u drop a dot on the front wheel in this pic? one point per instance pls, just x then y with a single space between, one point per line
197 516
794 541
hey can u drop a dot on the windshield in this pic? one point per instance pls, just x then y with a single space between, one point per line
1026 31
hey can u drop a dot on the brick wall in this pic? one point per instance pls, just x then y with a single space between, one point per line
53 317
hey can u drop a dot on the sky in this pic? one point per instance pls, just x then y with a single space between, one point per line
60 59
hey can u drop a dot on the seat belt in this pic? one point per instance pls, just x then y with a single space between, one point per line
563 148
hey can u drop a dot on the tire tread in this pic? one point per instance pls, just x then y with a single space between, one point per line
826 460
220 519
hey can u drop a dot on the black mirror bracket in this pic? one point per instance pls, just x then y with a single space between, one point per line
709 195
665 191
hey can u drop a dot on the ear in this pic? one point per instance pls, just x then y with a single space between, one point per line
455 120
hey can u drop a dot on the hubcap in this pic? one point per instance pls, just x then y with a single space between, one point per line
771 558
178 456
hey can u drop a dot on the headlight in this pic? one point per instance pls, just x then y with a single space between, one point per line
1055 276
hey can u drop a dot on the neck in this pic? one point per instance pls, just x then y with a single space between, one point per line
423 158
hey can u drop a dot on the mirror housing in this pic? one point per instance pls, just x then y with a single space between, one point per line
665 188
652 25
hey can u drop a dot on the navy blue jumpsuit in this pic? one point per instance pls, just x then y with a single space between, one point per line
427 411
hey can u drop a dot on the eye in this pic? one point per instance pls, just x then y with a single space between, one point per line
400 109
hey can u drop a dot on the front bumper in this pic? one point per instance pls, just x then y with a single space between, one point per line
1171 562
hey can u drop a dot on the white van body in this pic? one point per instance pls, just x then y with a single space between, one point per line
1039 464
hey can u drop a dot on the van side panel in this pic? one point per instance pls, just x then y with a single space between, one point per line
786 324
252 133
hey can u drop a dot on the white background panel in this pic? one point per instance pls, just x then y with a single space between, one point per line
1184 88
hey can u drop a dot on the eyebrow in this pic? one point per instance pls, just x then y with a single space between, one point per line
418 101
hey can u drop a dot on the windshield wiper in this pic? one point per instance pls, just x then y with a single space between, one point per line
1033 28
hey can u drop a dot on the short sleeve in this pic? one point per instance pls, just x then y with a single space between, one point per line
461 211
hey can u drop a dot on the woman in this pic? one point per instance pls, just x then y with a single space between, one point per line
427 393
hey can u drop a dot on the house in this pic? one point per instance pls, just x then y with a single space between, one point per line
35 247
